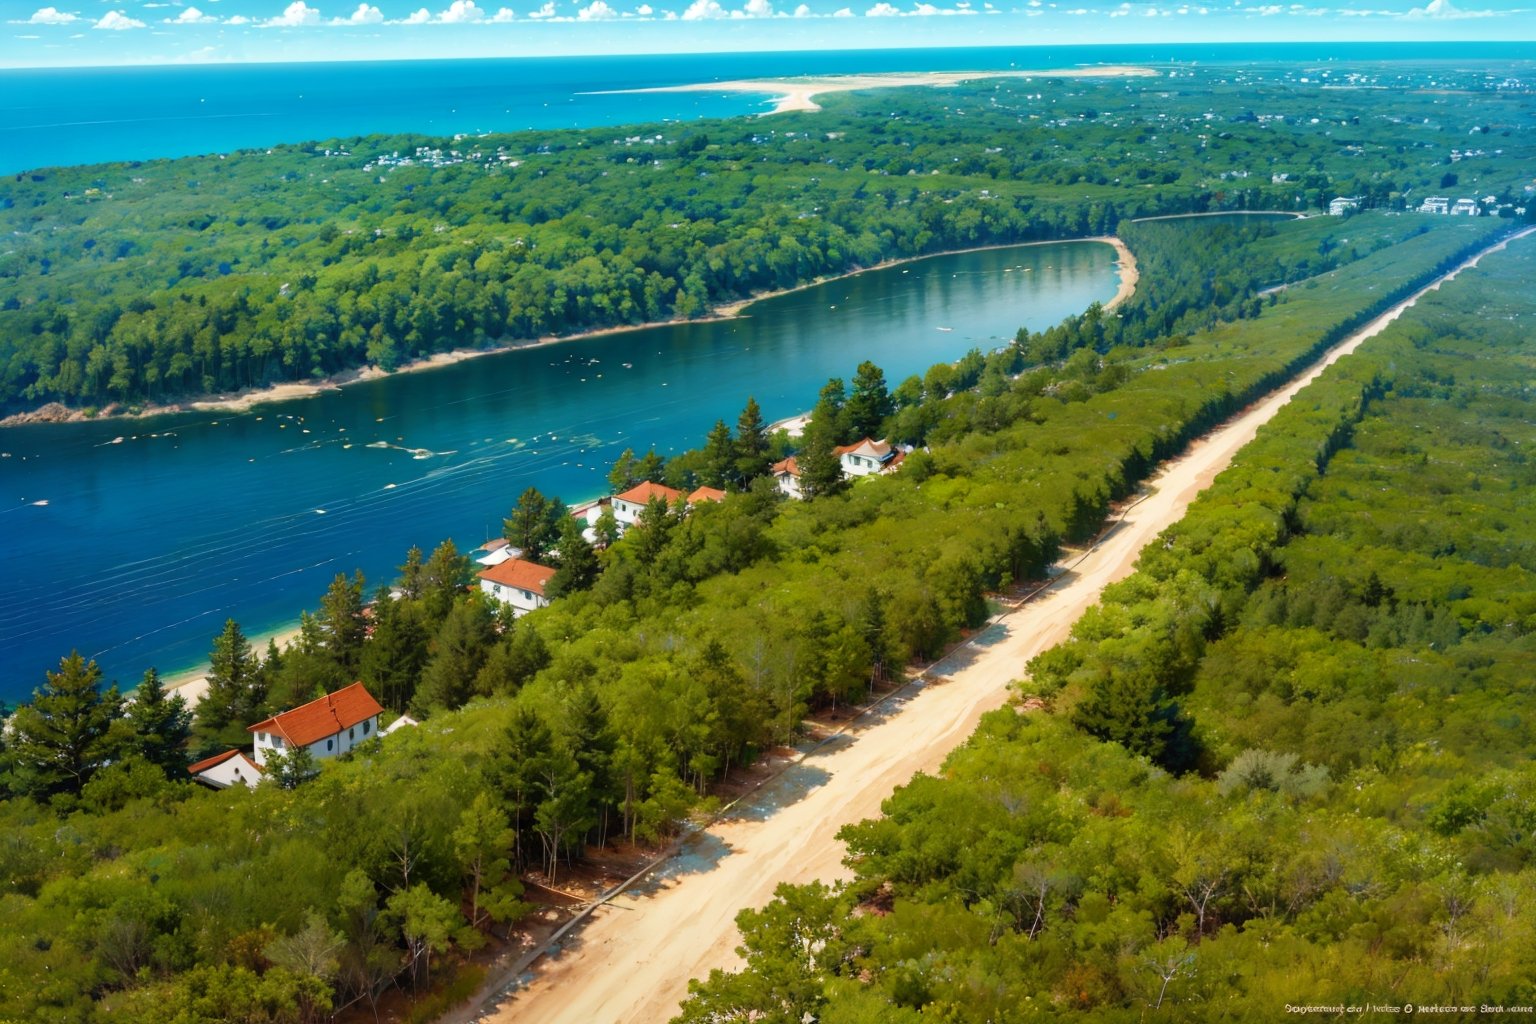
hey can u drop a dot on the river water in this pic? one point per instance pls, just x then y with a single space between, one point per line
133 540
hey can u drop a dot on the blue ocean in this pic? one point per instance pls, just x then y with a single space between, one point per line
62 116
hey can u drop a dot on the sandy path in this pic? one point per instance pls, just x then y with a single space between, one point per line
632 963
800 93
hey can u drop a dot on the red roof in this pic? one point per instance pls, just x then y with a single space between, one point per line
641 494
514 572
318 719
706 494
864 446
213 762
788 465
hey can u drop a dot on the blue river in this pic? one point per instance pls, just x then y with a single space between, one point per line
133 540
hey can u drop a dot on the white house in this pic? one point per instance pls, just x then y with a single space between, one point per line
1342 205
1466 207
403 722
1436 204
332 725
231 768
518 583
787 475
866 458
628 506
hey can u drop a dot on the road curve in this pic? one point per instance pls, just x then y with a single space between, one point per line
630 963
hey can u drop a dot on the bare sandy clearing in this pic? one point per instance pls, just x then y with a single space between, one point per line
633 965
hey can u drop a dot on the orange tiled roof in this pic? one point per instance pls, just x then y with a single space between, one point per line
641 494
864 446
706 494
788 465
514 572
212 762
321 718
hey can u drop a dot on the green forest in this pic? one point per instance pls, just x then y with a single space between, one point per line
126 284
682 650
1286 763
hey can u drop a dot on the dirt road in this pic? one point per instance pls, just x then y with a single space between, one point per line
632 962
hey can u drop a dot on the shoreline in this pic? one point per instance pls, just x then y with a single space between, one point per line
244 401
798 94
191 683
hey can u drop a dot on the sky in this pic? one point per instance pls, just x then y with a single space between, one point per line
65 33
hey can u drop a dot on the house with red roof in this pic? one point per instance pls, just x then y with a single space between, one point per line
702 494
231 768
517 583
786 473
328 727
628 506
866 457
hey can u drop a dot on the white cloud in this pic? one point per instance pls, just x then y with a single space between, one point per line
238 19
802 11
295 14
755 9
49 16
504 15
117 21
461 12
1445 10
842 12
28 37
883 10
366 14
644 10
597 11
704 10
191 16
420 17
547 11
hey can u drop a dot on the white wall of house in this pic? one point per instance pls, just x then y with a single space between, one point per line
236 771
627 513
522 601
859 465
331 746
790 485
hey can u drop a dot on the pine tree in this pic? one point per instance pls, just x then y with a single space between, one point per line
161 726
443 578
237 692
869 404
625 472
410 574
393 659
533 525
719 457
461 648
342 622
752 458
64 735
578 562
821 473
651 467
606 527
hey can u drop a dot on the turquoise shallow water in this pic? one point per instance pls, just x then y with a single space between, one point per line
154 531
88 115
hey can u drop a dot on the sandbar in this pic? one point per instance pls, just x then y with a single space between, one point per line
800 93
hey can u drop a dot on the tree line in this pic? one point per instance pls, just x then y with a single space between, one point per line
701 640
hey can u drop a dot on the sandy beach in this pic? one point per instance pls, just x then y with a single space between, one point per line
800 93
243 401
